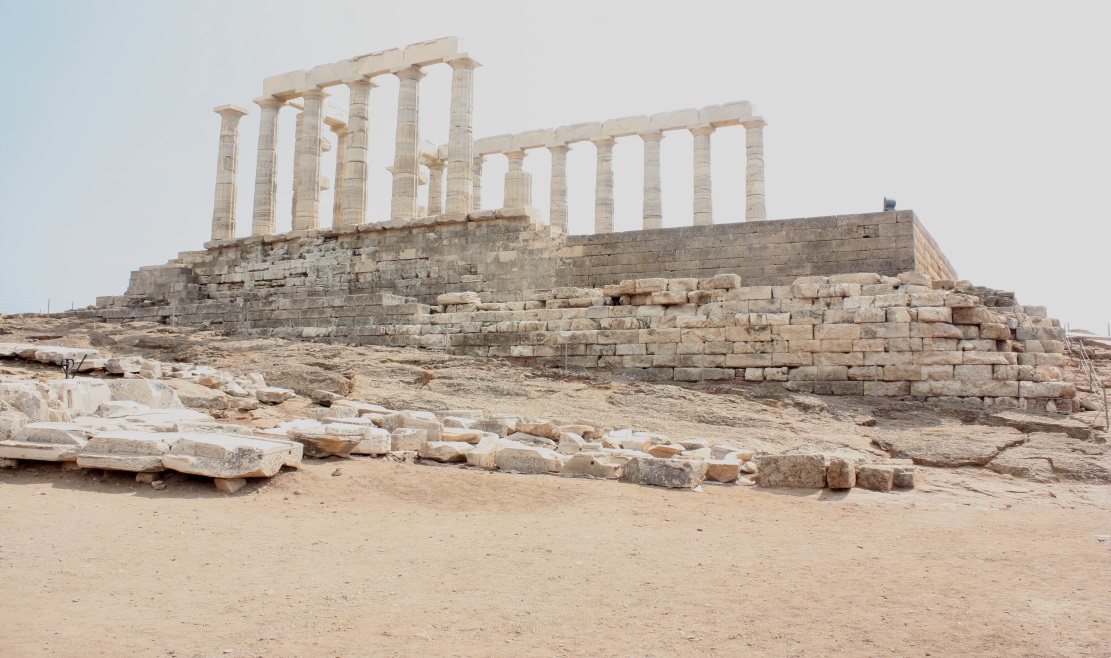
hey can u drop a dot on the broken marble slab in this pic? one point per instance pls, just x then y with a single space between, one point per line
151 392
444 451
127 451
82 395
527 459
327 441
52 442
227 455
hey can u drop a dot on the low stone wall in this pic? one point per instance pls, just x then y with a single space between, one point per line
849 334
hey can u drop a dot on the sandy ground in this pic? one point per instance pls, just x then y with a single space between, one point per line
393 558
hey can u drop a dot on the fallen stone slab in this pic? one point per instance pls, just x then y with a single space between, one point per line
840 473
444 451
156 394
227 456
322 442
545 429
196 396
12 350
461 435
124 364
33 401
722 470
411 420
56 355
664 450
373 441
273 395
532 440
362 407
81 395
592 465
127 451
672 473
501 426
527 459
11 421
797 471
407 438
53 442
877 477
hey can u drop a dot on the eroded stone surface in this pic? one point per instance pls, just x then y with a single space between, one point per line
799 471
672 473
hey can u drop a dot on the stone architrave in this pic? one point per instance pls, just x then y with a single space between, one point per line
306 212
476 183
755 209
354 189
342 135
266 171
435 187
603 186
558 212
406 161
653 196
223 210
518 182
703 192
460 186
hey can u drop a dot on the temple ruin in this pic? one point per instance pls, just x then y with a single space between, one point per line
853 304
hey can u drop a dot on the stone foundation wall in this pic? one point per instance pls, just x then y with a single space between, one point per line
508 255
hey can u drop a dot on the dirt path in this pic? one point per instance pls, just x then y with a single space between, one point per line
394 558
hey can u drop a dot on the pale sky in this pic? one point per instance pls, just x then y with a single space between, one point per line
988 119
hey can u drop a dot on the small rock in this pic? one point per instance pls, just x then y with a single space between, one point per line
867 422
338 472
158 484
229 485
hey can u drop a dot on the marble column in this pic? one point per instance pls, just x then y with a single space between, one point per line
476 183
436 187
223 210
266 171
653 196
518 182
460 150
354 190
406 160
306 212
342 135
703 192
558 212
603 186
755 209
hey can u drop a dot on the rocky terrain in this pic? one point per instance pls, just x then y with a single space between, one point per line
379 555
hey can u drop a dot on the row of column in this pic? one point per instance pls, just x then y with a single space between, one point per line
351 156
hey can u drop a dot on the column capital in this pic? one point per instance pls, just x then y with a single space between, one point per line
603 142
559 148
462 61
754 122
362 82
339 128
314 93
409 73
270 103
479 159
653 136
435 165
702 130
229 111
519 154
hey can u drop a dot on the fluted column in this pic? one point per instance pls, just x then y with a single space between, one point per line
755 210
603 186
703 192
436 187
306 213
653 197
406 160
476 183
558 213
354 189
518 182
342 134
223 209
266 171
460 149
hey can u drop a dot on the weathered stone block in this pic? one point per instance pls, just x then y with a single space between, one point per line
672 473
877 477
840 473
801 471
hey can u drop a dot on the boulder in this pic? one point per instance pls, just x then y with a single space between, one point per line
672 473
53 442
722 470
444 451
593 465
127 450
527 459
878 477
407 438
799 471
227 455
840 473
155 394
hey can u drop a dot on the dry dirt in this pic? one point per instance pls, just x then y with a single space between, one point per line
376 557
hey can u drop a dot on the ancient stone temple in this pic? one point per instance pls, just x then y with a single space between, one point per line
853 304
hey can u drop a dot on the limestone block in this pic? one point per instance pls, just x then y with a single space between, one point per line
80 395
593 464
723 470
502 426
840 473
877 477
483 455
444 451
335 439
412 420
543 428
672 473
11 422
1046 390
126 364
935 314
993 331
914 279
60 442
407 438
56 355
33 401
273 394
668 297
154 394
663 451
801 471
229 455
904 476
458 298
644 286
374 441
724 282
229 485
527 459
127 451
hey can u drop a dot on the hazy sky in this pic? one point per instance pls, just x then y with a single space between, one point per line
987 119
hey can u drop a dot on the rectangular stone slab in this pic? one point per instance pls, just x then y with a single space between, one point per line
127 451
226 456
